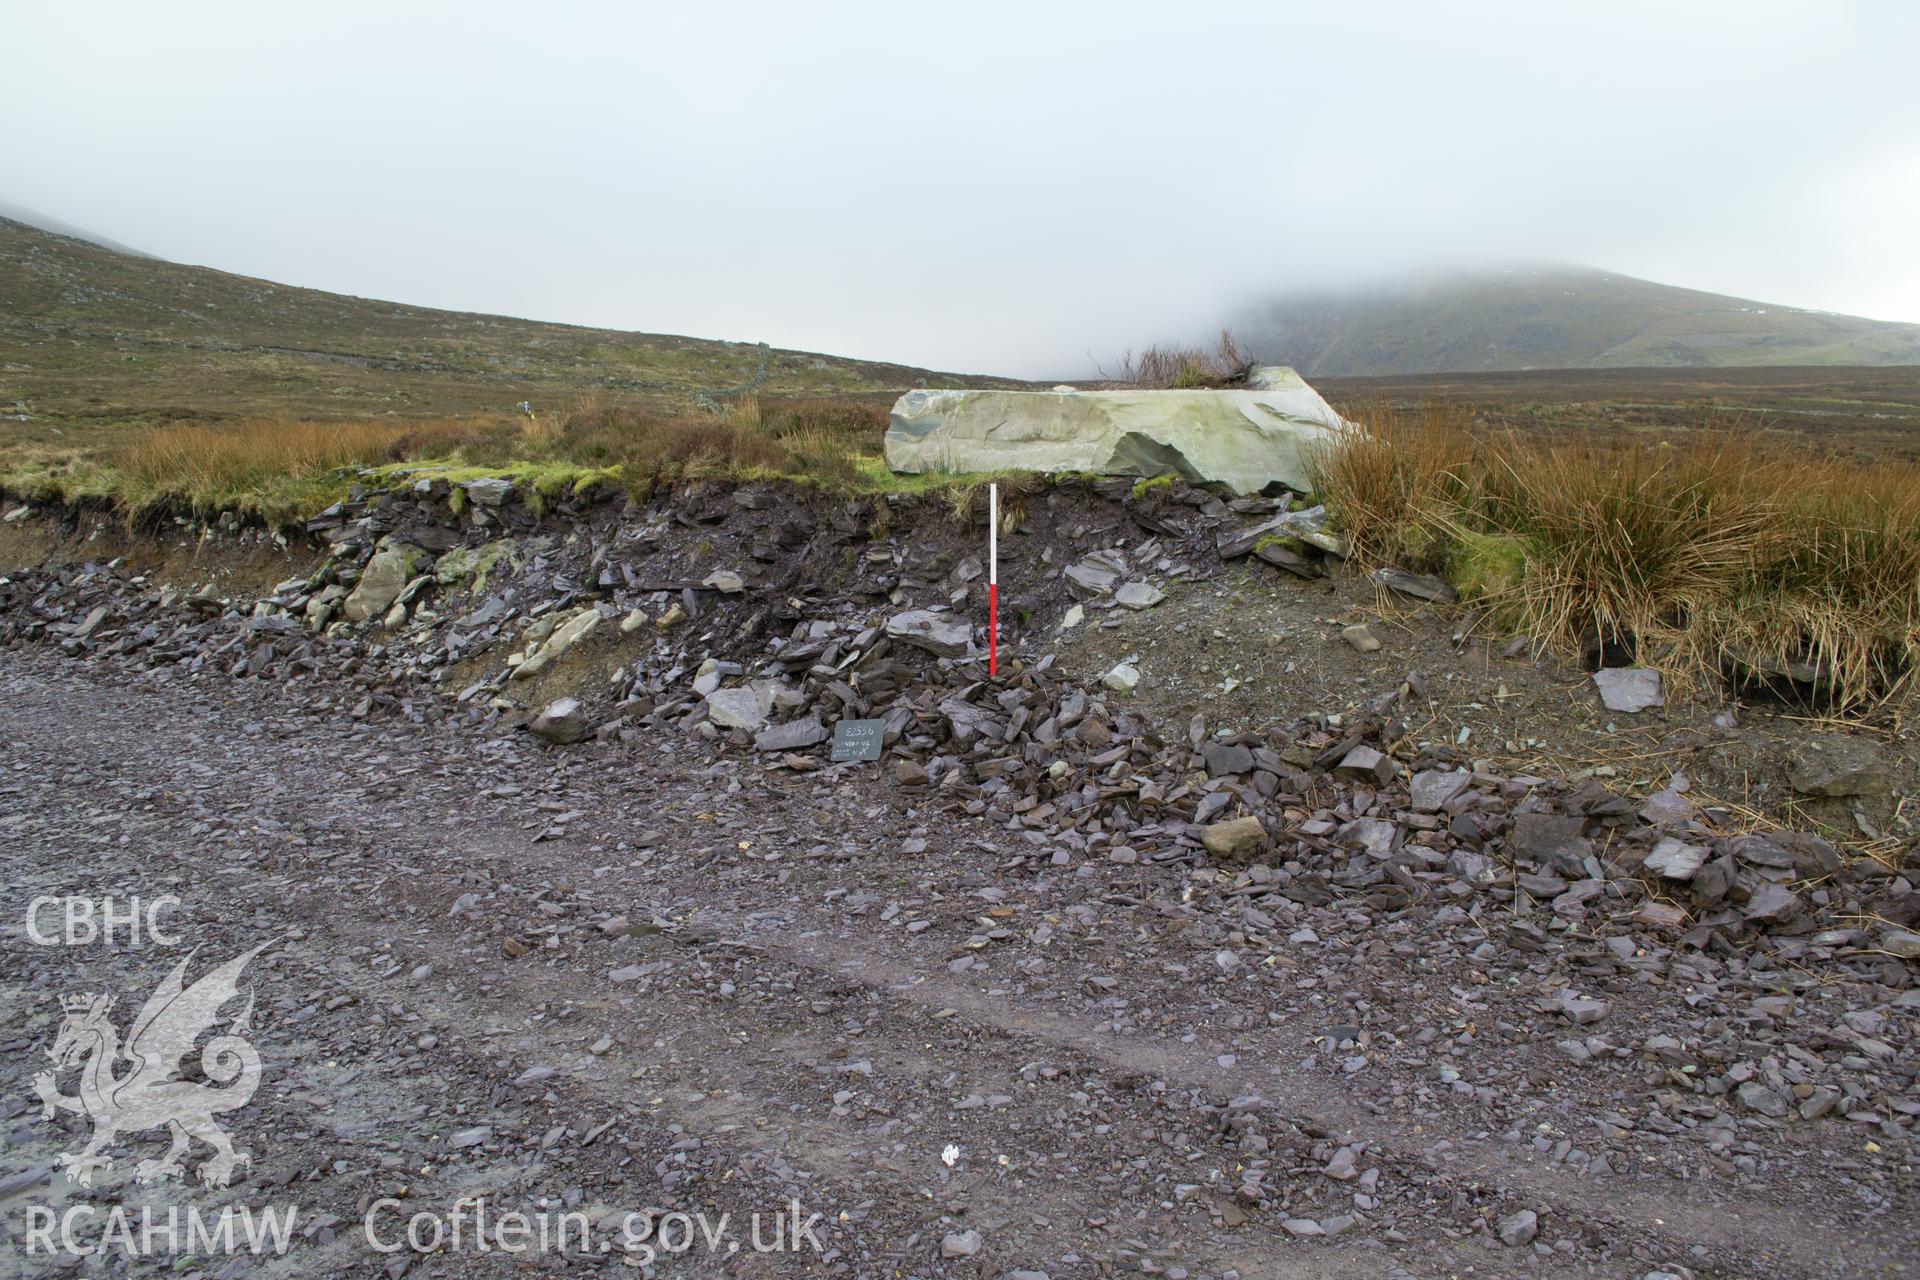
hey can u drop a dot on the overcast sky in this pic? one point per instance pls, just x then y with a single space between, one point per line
972 186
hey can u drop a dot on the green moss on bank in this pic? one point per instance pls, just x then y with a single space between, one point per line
1486 565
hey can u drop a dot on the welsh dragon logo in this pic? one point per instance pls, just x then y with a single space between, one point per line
130 1088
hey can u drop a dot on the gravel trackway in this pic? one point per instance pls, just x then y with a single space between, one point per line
621 976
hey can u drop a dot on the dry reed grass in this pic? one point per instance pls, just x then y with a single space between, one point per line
1705 555
1173 367
282 468
211 466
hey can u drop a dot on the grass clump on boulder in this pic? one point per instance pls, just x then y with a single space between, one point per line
1171 367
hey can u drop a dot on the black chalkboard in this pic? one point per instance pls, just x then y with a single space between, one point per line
858 739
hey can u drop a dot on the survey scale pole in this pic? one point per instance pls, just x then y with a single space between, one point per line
993 580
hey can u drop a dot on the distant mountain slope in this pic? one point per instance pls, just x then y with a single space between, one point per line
33 218
86 331
1568 318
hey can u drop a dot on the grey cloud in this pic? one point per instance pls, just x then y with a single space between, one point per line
980 187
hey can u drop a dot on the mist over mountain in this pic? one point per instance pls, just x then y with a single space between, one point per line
1555 317
34 218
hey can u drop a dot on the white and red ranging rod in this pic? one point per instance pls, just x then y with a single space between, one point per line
993 580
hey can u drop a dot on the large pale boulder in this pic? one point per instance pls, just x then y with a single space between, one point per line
1244 437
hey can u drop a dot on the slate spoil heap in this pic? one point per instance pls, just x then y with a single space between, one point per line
586 622
418 585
